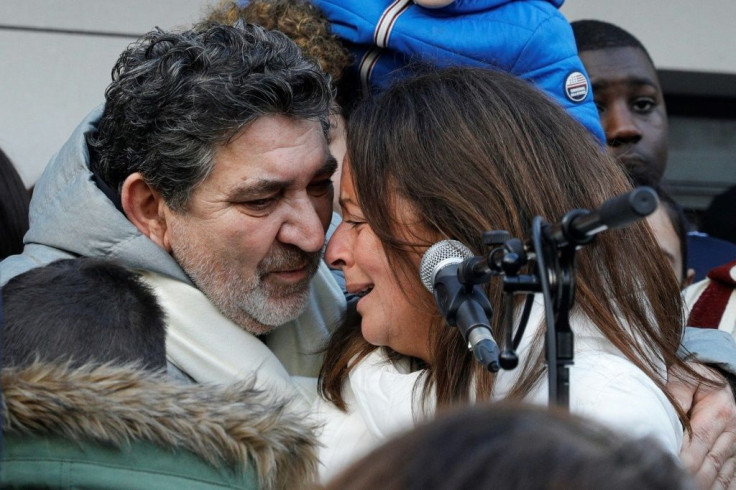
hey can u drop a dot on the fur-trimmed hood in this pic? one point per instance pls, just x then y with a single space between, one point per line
225 425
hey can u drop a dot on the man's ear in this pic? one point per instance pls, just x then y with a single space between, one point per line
144 207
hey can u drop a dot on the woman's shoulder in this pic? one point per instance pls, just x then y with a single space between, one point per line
611 389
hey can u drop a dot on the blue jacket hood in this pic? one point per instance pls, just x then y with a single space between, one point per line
71 217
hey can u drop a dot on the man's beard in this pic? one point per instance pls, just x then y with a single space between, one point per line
252 302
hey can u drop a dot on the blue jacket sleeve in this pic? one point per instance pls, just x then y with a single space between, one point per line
710 346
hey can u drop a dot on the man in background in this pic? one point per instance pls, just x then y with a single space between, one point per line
632 111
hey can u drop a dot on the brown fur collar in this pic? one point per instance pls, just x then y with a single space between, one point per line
112 404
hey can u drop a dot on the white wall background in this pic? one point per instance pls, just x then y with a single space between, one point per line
693 35
50 80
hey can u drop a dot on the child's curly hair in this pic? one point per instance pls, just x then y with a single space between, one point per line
301 21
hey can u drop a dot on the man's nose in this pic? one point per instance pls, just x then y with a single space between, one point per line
303 228
620 126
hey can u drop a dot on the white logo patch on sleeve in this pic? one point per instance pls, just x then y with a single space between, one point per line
576 86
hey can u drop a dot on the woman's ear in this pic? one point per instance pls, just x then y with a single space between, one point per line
144 207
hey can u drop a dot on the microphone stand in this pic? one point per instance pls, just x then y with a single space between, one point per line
551 256
556 274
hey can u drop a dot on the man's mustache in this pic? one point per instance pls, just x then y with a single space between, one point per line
287 258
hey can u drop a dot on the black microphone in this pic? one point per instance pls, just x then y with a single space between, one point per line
579 227
462 305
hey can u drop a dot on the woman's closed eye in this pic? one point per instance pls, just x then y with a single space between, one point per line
354 222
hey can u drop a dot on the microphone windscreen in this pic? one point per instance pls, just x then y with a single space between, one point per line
438 256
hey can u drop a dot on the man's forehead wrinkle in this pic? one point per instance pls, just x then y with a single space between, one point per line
607 65
630 81
258 185
265 139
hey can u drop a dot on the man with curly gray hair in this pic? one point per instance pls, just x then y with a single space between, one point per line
208 169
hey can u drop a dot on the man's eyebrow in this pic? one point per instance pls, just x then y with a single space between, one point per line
329 167
258 187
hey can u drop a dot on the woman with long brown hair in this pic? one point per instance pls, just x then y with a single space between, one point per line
449 155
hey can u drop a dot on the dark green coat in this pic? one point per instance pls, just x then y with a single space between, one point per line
117 427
